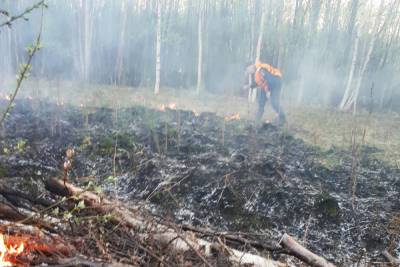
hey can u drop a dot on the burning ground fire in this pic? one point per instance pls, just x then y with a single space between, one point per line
9 252
233 117
170 106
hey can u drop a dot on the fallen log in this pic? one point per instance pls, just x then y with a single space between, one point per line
175 241
183 243
83 261
390 258
9 212
269 245
303 253
8 192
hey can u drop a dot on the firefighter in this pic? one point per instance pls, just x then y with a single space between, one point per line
268 80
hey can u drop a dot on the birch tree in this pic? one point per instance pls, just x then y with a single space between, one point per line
121 43
261 32
346 97
351 95
85 36
200 47
253 92
158 49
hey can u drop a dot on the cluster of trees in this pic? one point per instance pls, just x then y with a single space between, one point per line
335 52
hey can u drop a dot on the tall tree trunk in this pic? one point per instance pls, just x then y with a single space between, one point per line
85 30
88 38
333 28
121 44
200 51
261 33
253 92
350 28
352 102
305 48
158 50
253 27
347 92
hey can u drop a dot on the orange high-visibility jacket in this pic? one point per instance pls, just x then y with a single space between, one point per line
258 77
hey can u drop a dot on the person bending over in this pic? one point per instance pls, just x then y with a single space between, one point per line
268 80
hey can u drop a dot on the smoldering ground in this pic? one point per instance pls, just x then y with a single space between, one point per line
202 169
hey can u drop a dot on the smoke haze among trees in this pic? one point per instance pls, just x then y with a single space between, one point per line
334 52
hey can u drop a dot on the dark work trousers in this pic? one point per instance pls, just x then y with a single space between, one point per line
274 85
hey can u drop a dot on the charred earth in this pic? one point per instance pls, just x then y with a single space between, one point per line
208 171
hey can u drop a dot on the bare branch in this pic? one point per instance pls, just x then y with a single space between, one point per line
20 16
25 68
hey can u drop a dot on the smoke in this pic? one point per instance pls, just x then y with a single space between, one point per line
113 42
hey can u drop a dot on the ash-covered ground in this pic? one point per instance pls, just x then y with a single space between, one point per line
205 170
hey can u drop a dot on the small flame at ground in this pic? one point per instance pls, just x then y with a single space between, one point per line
233 117
8 252
60 103
170 106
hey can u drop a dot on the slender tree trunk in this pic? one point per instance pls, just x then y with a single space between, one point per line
308 7
346 95
16 47
9 31
200 51
352 101
364 67
253 28
333 28
350 27
80 60
158 50
261 33
253 92
121 44
85 30
87 40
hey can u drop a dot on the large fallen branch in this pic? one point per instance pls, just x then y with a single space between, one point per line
390 258
82 261
302 253
269 245
172 239
9 212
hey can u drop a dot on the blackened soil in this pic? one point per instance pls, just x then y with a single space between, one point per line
204 170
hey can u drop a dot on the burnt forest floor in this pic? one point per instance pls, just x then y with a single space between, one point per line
204 170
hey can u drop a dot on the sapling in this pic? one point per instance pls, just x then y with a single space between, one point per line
67 166
166 137
25 68
223 132
354 166
179 130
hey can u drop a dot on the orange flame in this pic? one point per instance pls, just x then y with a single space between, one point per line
170 106
8 252
233 117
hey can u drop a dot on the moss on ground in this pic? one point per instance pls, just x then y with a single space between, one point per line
3 171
